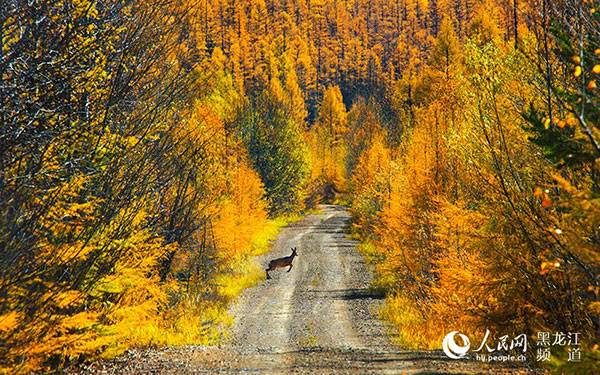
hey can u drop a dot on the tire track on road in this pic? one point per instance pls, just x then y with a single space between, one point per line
321 318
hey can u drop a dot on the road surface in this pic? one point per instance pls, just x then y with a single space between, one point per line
320 318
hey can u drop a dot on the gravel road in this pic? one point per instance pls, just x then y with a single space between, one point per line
320 318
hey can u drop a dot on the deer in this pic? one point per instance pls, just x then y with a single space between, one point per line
282 262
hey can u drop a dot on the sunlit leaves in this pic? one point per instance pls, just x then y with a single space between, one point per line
477 217
327 141
276 148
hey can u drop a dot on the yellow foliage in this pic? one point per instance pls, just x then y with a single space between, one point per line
372 184
241 215
326 142
9 322
476 230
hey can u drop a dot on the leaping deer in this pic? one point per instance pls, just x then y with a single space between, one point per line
281 262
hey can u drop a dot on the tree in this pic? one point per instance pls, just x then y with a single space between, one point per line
446 47
327 141
86 91
275 145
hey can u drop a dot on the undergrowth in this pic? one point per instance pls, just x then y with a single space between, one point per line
198 314
211 314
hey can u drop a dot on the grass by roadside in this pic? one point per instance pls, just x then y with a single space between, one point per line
243 274
246 273
409 329
197 315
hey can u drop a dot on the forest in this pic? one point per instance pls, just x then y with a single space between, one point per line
149 149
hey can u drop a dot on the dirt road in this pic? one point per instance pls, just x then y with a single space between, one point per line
320 318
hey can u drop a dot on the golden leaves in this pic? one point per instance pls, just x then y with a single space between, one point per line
569 121
9 321
549 266
547 123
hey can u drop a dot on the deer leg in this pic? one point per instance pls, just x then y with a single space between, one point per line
267 271
289 269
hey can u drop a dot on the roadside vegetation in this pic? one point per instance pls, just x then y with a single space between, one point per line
149 149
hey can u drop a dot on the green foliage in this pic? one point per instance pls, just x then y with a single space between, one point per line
489 219
142 144
278 153
564 146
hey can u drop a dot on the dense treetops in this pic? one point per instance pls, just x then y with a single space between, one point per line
145 145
